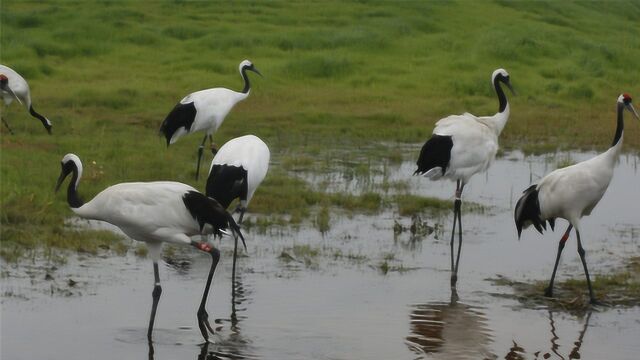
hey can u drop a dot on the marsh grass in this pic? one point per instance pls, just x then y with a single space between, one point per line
617 288
336 74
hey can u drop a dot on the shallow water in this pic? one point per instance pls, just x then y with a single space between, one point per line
339 304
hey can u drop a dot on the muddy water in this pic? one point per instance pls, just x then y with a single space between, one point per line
339 304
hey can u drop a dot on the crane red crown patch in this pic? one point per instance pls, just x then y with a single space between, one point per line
3 77
626 97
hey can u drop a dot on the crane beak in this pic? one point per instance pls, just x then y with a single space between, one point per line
63 175
633 111
508 83
10 91
60 180
255 70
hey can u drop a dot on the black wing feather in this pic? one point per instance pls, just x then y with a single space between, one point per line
182 115
436 152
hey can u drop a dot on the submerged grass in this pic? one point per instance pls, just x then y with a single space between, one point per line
351 74
619 288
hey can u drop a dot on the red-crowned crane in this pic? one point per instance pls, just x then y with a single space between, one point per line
461 146
155 212
15 87
205 110
236 171
571 193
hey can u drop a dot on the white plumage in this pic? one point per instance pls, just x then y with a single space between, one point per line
205 110
14 87
461 146
571 193
155 212
236 172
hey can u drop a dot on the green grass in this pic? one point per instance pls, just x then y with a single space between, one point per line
336 74
618 288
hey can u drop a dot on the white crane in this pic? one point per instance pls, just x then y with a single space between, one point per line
13 86
205 110
461 146
571 193
236 171
155 212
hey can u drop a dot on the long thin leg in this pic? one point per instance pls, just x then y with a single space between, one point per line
200 148
242 210
6 124
456 212
549 290
459 203
212 146
157 291
233 270
453 230
203 317
584 264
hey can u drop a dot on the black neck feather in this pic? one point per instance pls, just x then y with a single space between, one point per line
501 96
72 193
247 85
620 126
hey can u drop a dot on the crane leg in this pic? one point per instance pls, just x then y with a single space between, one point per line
157 291
549 290
584 265
203 316
200 149
458 210
6 124
233 269
212 146
454 276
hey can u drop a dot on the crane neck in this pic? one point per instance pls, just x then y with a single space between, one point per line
73 198
502 98
247 84
617 138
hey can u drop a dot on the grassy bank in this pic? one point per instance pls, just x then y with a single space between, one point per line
335 74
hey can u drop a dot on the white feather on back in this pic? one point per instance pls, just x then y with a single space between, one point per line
474 145
145 211
573 191
212 106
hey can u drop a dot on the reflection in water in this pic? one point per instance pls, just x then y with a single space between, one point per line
454 330
448 331
226 344
517 352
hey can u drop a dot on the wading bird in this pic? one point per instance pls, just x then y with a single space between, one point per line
461 146
236 172
571 193
205 110
13 86
155 212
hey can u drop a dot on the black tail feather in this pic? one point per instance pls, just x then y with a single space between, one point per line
436 152
182 115
208 211
527 211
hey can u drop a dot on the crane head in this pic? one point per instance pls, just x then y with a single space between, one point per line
503 76
248 65
69 164
625 100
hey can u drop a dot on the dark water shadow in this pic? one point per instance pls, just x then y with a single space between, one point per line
448 330
517 352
